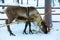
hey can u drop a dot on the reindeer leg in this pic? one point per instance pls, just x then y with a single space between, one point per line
9 30
28 22
30 31
25 28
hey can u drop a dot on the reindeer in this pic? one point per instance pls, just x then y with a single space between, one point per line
21 13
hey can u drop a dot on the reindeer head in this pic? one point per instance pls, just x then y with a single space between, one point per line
45 27
41 23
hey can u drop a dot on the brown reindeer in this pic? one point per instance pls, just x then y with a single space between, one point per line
22 14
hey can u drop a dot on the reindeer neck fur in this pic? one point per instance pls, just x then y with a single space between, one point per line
38 20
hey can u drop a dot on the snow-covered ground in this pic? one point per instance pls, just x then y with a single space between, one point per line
17 29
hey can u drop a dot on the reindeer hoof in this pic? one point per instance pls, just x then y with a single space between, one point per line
30 32
12 34
25 33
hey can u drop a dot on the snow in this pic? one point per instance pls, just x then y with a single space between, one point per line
17 29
